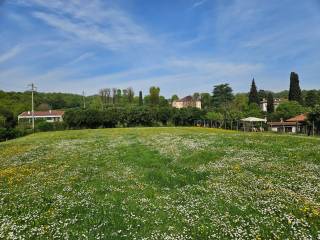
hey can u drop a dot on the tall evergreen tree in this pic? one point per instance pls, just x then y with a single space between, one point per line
222 96
295 90
270 103
140 99
253 95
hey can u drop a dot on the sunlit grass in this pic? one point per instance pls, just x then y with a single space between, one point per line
160 183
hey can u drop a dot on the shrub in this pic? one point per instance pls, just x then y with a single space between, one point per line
44 126
131 116
11 133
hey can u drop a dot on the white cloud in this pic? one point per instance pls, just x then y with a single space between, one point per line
199 3
181 76
10 54
92 21
192 74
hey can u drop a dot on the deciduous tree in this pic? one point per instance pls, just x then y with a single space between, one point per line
312 98
154 95
130 93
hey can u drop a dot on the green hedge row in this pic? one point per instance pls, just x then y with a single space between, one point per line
131 117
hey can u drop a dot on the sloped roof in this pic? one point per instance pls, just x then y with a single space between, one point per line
282 123
42 113
299 118
186 99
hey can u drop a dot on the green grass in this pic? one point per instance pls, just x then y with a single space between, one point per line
160 183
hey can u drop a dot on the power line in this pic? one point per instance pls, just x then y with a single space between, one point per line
33 88
84 99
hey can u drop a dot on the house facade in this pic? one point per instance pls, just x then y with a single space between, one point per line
296 124
264 104
186 102
287 127
48 116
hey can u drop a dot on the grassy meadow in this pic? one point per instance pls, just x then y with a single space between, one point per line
160 183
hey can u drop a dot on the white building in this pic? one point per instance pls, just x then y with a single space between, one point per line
49 116
288 127
264 104
186 102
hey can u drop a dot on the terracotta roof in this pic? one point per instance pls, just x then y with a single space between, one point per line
299 118
282 123
186 99
42 113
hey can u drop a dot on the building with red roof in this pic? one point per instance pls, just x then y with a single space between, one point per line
300 118
291 125
49 116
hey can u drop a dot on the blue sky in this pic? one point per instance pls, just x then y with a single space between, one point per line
182 46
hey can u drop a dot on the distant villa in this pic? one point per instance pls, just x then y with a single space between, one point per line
264 104
186 102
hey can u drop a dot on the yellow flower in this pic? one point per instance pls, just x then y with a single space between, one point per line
315 212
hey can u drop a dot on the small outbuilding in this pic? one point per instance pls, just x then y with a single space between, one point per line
288 127
48 116
297 124
250 124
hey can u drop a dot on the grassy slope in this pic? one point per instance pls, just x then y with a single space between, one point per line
156 183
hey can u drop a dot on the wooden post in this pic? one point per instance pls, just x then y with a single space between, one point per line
313 128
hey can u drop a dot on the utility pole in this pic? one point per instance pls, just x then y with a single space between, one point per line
84 99
33 89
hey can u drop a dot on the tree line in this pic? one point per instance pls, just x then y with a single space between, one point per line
112 107
132 116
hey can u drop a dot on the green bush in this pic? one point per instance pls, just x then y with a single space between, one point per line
44 126
11 133
131 117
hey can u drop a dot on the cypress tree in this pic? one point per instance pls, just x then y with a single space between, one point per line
253 95
270 103
295 90
140 99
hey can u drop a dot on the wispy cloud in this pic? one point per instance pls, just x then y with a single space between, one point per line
92 21
10 54
199 3
78 44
